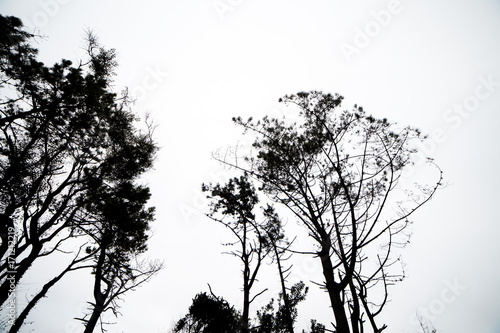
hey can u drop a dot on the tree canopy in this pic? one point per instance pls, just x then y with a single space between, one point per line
71 156
209 314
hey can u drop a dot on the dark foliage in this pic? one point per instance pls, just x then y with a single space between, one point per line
70 158
280 321
209 314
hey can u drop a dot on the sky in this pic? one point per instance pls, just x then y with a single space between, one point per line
195 64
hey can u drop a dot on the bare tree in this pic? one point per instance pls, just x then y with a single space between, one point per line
339 173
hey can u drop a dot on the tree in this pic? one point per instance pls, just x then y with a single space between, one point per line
283 319
233 205
316 327
119 231
67 140
339 173
209 314
275 239
258 239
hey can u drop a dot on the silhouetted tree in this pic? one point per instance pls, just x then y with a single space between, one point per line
275 239
337 172
316 327
67 140
233 206
209 314
119 227
283 319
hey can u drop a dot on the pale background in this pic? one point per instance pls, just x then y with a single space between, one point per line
195 64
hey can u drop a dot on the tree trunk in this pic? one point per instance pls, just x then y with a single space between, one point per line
92 322
99 296
246 301
288 310
5 223
342 324
246 282
245 314
355 315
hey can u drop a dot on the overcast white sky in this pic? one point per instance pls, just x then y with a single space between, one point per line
195 64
